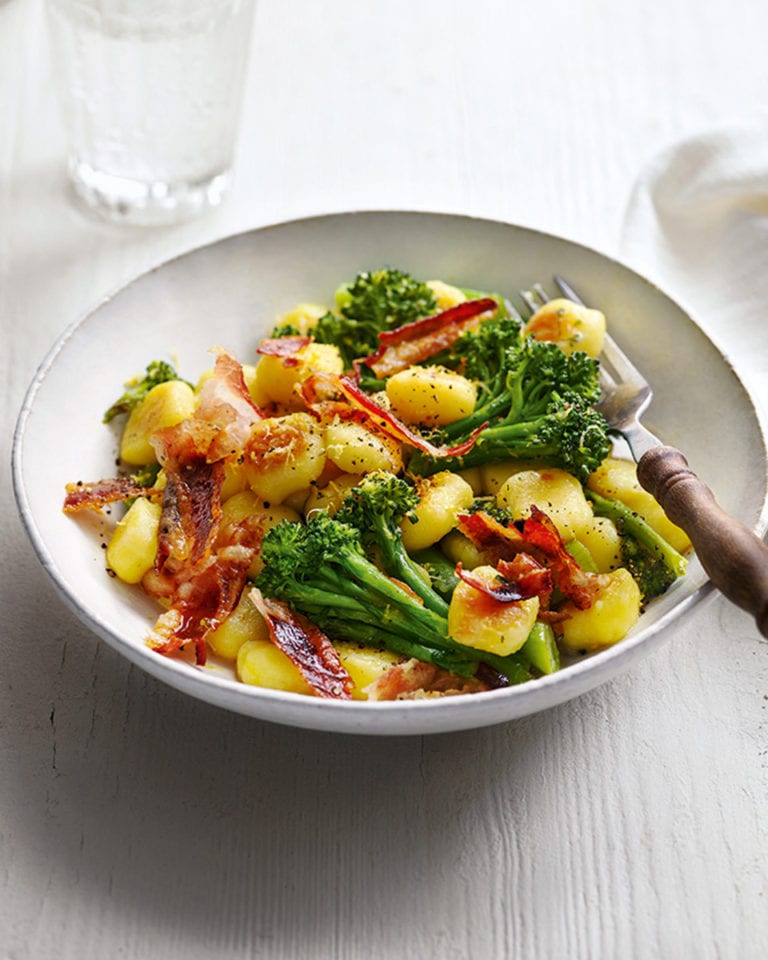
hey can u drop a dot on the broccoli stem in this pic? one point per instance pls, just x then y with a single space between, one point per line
376 636
480 415
441 571
509 440
395 559
633 524
540 649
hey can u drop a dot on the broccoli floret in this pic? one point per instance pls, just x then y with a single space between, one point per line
321 570
374 302
494 510
376 506
649 571
146 476
574 437
285 330
158 371
652 561
536 399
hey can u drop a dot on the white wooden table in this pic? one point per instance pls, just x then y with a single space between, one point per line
137 823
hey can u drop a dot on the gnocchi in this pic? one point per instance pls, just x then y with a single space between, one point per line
432 396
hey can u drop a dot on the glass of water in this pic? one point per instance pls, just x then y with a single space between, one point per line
151 92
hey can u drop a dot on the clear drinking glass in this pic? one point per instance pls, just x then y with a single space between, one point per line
151 92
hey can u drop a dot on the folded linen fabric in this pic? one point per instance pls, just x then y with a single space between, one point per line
697 224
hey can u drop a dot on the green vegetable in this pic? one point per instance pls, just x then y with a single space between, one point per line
440 570
540 649
374 302
320 569
537 401
653 562
581 555
158 371
651 573
496 511
285 330
376 506
145 477
505 309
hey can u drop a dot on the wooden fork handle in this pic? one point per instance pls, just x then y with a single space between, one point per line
735 559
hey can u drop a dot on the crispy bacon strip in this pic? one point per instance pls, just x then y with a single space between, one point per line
509 588
531 577
413 680
226 404
395 428
94 496
493 538
414 342
282 346
219 427
203 602
539 538
192 498
578 585
192 454
306 645
191 513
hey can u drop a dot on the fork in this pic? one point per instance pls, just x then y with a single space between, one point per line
733 556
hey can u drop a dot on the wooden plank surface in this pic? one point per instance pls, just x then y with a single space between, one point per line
137 823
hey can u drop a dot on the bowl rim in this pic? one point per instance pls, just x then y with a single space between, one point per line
201 682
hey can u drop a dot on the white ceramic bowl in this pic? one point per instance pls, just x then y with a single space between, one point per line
229 294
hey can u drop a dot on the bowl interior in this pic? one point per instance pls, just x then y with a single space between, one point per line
229 294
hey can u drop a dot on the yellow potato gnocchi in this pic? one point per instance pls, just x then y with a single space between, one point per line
132 547
432 396
554 491
364 665
262 664
331 496
613 613
304 317
445 294
617 480
164 406
441 499
284 455
570 325
482 622
355 449
278 379
603 541
244 625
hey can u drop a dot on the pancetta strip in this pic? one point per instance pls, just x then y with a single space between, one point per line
94 496
417 341
307 647
497 541
191 513
539 538
531 577
226 404
283 346
203 602
578 585
395 428
509 589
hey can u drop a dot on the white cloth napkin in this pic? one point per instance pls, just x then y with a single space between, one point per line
697 225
